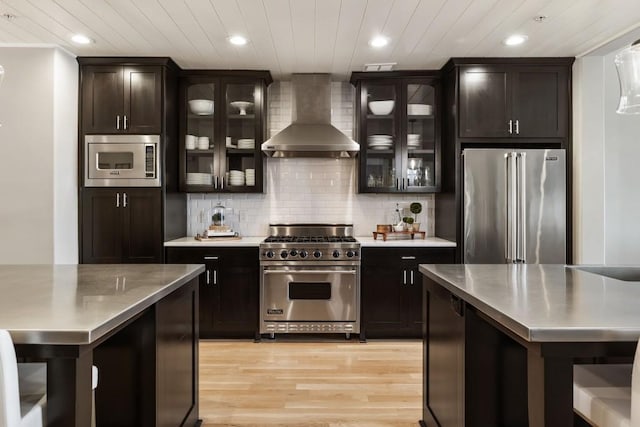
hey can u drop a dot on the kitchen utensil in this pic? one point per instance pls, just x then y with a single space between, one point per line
381 108
242 106
201 107
419 109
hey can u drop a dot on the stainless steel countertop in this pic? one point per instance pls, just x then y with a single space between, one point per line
546 302
77 304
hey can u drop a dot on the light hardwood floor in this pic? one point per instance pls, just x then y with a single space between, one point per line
320 384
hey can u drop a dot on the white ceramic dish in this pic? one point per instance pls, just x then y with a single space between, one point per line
201 107
243 106
381 108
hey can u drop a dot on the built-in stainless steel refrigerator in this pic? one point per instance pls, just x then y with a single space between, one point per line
514 204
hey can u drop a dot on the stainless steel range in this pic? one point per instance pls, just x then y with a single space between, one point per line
310 280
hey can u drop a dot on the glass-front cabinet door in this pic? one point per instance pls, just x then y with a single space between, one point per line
243 161
221 129
398 132
379 141
200 159
419 168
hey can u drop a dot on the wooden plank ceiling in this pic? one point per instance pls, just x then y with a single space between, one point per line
328 36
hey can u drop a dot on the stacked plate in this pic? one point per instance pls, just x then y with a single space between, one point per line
414 141
199 179
419 109
246 144
250 177
237 177
380 142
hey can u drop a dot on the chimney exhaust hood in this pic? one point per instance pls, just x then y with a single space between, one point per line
311 133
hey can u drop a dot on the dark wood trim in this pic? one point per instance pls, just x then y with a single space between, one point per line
563 61
264 75
128 60
357 76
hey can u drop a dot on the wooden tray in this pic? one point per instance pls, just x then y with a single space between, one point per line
217 239
398 233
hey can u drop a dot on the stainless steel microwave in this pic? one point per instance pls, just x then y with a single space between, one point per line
122 161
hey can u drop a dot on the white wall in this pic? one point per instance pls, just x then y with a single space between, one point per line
606 166
36 141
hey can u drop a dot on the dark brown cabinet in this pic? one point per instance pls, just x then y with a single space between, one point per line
398 128
222 125
121 225
391 289
513 101
229 289
122 99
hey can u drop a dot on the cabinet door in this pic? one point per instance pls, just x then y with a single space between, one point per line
540 101
177 359
101 226
102 95
380 137
382 282
142 225
237 283
208 295
484 102
142 99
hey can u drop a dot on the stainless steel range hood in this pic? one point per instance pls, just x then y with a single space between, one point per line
311 133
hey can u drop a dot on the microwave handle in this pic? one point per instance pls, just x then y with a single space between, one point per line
118 121
125 121
124 200
117 200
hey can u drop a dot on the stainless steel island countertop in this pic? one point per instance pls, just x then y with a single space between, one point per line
78 304
546 302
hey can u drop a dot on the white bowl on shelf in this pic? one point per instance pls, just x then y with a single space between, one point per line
381 108
201 107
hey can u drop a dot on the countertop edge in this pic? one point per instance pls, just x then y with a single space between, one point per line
365 242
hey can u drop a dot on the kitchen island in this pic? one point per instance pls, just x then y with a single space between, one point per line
501 340
136 323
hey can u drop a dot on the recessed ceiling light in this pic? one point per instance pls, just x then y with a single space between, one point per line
379 41
515 40
237 40
81 39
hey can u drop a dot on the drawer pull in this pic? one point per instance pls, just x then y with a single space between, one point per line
408 257
211 258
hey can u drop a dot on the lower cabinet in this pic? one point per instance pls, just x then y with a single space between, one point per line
229 289
121 225
391 289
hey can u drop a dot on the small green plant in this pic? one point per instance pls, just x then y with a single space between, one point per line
415 209
407 220
217 218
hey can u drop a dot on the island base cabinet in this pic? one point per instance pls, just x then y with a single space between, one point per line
474 375
148 371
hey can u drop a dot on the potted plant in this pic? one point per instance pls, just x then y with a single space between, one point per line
415 208
408 222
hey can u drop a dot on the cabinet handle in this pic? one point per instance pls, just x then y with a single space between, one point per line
215 183
222 182
124 200
125 122
118 121
215 277
408 257
211 257
517 127
457 305
397 184
404 277
117 200
412 277
208 277
510 127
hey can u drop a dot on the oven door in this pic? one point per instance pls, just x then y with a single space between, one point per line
310 294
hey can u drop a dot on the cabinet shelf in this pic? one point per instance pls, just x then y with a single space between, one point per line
241 117
371 152
241 151
200 116
200 152
380 117
412 118
427 151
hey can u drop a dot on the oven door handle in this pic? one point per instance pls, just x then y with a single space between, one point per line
309 271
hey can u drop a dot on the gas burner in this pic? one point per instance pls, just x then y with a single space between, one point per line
310 239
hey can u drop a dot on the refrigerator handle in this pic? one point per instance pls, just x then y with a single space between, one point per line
521 249
511 202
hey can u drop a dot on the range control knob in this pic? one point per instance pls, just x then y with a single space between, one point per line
293 252
269 254
317 254
303 254
336 254
284 254
350 253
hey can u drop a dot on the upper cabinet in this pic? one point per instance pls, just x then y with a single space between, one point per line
122 99
222 124
398 128
517 100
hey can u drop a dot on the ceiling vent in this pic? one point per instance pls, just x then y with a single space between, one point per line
383 66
